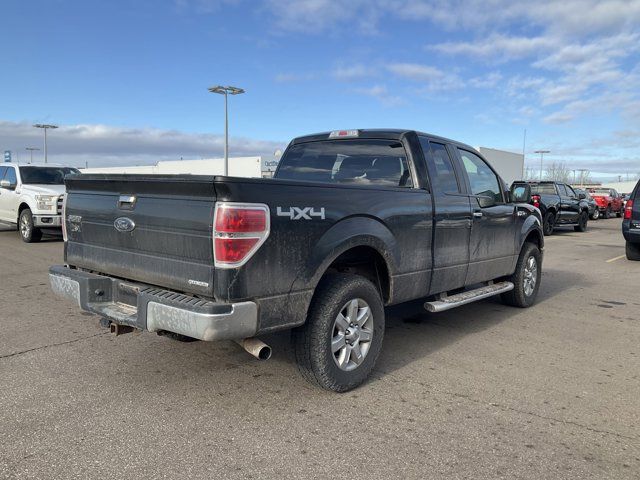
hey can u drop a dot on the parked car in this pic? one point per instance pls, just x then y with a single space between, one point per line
609 201
631 224
31 197
594 211
353 221
559 204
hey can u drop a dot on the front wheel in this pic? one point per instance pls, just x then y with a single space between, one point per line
582 222
339 344
607 213
526 278
595 215
548 223
28 233
619 213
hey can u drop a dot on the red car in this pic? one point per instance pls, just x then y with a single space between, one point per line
609 201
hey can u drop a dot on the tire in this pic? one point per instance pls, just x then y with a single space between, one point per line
619 213
607 213
548 222
28 233
583 219
633 251
334 298
595 215
528 268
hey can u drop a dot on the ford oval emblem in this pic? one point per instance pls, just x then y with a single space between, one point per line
124 224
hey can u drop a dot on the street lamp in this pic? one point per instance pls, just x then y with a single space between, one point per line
541 152
31 150
45 127
226 91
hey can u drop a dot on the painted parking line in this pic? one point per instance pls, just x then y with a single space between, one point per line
615 258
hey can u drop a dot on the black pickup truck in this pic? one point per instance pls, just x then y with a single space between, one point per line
353 221
560 205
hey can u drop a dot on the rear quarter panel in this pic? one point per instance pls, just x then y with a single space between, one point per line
284 272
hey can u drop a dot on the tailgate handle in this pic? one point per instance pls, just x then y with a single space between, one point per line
126 202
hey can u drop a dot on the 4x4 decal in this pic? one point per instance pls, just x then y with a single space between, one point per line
301 213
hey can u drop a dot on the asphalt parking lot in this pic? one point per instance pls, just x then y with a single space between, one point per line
484 391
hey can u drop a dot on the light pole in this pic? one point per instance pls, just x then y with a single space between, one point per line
226 91
31 150
541 152
45 127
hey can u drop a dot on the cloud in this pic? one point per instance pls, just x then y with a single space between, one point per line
431 77
102 145
352 72
497 47
293 77
382 94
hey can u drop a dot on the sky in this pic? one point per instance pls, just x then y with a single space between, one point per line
127 81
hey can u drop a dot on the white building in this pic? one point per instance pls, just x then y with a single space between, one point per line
248 167
509 165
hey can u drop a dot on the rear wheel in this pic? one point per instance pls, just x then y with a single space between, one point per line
526 278
607 212
633 251
339 344
582 222
548 223
28 232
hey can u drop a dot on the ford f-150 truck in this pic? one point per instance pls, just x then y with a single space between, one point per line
560 205
31 197
609 201
353 221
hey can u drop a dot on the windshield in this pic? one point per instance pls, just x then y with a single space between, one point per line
45 175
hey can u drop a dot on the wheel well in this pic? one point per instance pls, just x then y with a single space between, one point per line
367 262
534 237
23 206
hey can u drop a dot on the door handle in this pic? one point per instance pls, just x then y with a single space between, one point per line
477 214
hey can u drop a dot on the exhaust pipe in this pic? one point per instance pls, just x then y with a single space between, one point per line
255 347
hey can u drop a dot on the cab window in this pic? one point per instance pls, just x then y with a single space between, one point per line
483 180
11 176
441 171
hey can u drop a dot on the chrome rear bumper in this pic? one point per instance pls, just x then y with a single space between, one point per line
153 309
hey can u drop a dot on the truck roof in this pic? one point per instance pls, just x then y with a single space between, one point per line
387 133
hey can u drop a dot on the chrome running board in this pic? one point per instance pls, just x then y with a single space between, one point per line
445 302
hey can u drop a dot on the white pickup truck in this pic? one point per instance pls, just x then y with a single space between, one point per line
31 197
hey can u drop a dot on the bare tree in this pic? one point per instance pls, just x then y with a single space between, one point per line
558 172
530 173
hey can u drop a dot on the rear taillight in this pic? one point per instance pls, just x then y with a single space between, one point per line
63 220
627 209
535 199
239 229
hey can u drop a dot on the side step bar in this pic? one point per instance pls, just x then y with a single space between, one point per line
447 303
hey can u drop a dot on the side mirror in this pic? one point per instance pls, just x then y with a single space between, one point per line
582 196
520 193
486 201
7 184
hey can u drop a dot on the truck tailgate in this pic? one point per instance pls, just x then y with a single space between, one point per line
146 228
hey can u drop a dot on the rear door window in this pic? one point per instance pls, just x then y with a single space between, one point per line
371 162
441 170
562 190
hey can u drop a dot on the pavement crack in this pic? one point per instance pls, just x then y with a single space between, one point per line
14 354
543 417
